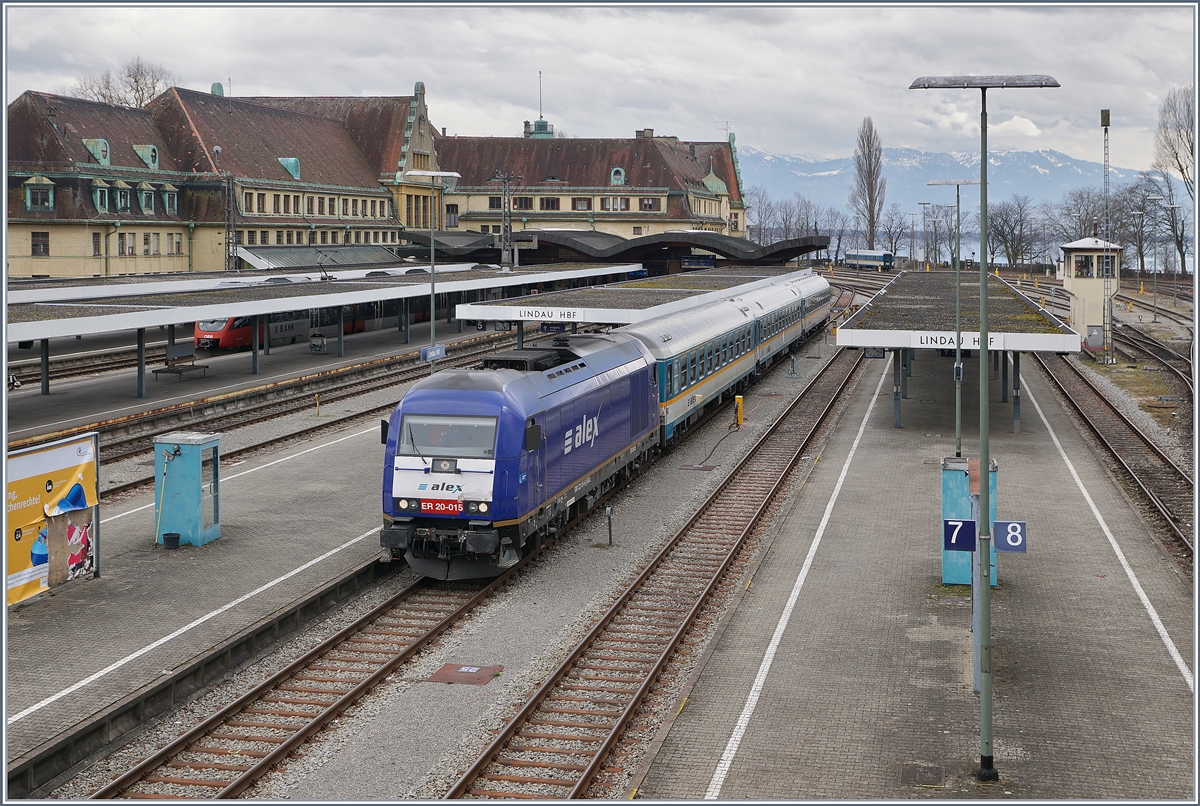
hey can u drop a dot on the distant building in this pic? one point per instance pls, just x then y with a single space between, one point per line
629 187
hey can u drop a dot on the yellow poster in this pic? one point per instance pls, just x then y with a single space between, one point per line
52 493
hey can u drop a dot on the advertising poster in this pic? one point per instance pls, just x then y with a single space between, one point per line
52 507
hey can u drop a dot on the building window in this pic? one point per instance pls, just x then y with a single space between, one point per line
289 234
733 221
312 236
393 236
375 237
345 207
278 237
287 204
248 202
495 203
581 205
637 230
95 244
123 201
358 236
354 207
264 237
408 209
251 237
333 236
102 199
522 202
373 209
179 243
147 201
615 203
155 249
262 203
324 236
296 204
617 177
548 203
39 198
170 200
120 243
651 205
275 203
451 216
145 243
308 204
321 205
39 244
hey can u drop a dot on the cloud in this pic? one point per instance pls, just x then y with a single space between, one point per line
797 80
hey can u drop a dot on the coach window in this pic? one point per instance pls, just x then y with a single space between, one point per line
670 378
692 372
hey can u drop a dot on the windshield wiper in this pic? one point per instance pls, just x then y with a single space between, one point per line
415 448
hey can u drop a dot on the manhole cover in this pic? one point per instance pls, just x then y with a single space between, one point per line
470 675
705 468
921 775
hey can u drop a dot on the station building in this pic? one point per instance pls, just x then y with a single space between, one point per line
200 182
644 185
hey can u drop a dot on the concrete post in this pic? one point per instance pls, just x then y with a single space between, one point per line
341 331
45 366
1016 392
141 351
897 373
904 373
1003 376
254 347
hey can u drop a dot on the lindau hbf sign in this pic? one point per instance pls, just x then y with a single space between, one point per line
1064 342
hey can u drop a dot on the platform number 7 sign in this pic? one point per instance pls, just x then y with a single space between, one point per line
1010 536
958 535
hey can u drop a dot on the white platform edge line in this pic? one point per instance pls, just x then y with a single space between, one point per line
739 731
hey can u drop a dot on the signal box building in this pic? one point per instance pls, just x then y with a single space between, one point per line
1084 265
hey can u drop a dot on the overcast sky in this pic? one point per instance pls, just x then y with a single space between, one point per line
792 80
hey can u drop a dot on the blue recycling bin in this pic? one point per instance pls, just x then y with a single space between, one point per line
187 487
959 504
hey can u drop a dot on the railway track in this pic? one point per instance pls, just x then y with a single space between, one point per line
565 734
1167 487
72 366
234 747
1179 365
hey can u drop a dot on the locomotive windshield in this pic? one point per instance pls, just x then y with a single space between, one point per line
438 435
212 325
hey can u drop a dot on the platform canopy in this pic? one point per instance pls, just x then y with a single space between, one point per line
916 310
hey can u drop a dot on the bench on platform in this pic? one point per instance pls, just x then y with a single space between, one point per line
181 358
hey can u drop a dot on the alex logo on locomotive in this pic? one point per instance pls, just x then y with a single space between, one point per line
587 431
446 487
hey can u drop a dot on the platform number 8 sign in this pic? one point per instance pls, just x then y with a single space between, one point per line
1010 536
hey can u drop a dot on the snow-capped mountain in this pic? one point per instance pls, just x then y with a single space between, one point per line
1041 175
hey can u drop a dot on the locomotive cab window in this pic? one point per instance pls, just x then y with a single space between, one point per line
429 435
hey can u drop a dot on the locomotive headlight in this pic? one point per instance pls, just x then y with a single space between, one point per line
407 504
402 503
483 507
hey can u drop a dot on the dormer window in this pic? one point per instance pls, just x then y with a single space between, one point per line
171 199
617 177
98 149
122 196
146 197
39 194
149 155
100 195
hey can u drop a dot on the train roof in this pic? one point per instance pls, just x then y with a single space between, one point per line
670 335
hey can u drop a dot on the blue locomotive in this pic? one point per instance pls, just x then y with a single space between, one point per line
482 465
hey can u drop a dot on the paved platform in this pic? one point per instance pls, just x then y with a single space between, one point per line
77 401
869 693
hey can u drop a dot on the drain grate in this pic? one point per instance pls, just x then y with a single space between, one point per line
922 775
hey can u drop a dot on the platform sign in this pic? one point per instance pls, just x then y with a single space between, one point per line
1010 536
52 502
433 353
502 327
873 352
550 327
958 535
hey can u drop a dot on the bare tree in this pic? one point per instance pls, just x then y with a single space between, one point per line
1175 140
787 219
759 212
894 228
866 195
836 222
1013 224
135 84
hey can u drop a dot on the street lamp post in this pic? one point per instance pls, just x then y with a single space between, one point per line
1155 199
912 237
958 373
986 771
925 231
433 175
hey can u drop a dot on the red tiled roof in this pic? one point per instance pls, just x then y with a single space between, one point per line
253 137
581 162
31 138
376 123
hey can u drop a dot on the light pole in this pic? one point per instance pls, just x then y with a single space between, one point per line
925 231
1155 199
958 373
986 771
857 257
912 237
432 258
